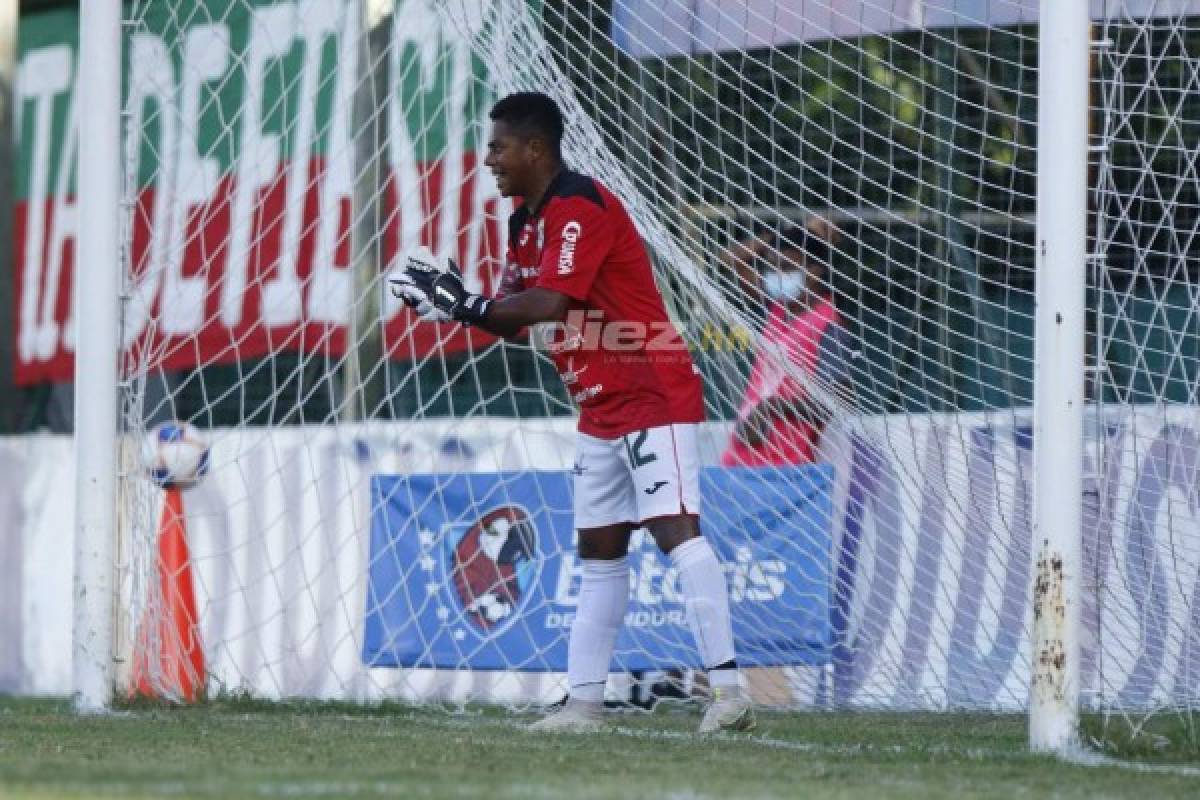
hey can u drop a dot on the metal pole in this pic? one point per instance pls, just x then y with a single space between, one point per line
362 317
97 277
1058 393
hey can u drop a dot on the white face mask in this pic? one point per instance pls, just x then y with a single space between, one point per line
784 286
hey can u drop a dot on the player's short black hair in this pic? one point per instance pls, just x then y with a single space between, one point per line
533 114
800 239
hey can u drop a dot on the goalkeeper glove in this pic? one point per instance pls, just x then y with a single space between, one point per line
444 289
404 288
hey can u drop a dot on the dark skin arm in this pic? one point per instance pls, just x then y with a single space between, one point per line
509 316
741 259
754 428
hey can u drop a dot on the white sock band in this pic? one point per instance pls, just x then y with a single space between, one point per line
706 600
603 598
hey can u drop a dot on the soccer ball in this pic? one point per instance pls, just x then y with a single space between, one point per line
177 455
491 607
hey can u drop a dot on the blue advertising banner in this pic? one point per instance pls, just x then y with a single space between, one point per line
479 571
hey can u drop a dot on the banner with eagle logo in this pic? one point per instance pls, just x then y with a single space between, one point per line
480 571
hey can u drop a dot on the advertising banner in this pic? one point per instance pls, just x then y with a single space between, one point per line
304 563
935 549
242 142
480 571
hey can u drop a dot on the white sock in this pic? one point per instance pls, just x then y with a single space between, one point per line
706 600
603 597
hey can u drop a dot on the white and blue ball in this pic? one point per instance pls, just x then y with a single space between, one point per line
178 455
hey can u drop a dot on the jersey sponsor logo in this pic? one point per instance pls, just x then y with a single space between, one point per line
494 565
571 374
566 254
583 396
657 485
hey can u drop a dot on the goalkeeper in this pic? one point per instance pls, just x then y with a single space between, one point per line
576 261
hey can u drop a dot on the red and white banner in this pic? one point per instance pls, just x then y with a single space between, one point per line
241 141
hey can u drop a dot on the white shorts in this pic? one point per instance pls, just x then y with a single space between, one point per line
645 474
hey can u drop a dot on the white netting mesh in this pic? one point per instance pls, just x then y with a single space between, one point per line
281 155
1145 551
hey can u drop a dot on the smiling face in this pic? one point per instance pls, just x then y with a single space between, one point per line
513 159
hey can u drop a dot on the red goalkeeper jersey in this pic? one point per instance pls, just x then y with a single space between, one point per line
618 354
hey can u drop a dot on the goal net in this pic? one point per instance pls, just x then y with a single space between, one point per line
1142 507
387 508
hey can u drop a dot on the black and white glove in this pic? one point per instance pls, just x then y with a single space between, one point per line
405 288
440 284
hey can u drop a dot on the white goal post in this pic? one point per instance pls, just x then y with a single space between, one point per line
97 358
1058 387
999 513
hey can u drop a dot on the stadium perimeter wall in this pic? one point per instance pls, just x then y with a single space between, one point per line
931 547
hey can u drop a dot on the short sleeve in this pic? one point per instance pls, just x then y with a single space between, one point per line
579 239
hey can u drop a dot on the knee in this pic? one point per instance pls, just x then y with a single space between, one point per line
670 532
602 550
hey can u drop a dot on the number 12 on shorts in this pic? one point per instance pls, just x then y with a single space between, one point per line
636 457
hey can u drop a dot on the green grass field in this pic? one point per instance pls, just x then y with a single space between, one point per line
256 750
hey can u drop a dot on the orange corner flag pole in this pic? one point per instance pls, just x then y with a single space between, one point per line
168 660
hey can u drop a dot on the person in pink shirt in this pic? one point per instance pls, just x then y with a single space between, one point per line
802 358
783 281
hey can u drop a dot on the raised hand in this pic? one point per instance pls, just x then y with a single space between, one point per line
443 287
403 287
413 283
